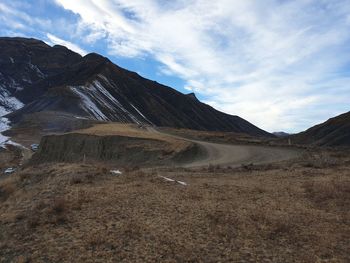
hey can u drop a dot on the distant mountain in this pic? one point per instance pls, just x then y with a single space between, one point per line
36 77
281 134
333 132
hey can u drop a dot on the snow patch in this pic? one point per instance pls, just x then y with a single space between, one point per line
181 182
4 140
8 103
9 142
80 118
172 180
37 70
4 125
27 80
167 179
113 102
116 172
88 104
105 79
143 116
95 97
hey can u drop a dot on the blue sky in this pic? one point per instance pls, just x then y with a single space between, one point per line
283 65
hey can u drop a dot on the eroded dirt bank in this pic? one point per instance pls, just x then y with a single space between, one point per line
123 150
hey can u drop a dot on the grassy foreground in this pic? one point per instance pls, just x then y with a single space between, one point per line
292 212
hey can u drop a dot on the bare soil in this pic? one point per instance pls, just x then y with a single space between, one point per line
223 151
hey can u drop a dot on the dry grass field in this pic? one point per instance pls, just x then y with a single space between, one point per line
288 212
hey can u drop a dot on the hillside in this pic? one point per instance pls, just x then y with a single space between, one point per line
36 77
333 132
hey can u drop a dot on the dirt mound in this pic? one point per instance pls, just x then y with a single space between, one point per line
122 150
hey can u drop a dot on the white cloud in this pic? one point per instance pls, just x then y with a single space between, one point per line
58 41
16 19
276 63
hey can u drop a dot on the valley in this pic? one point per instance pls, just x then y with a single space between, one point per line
99 164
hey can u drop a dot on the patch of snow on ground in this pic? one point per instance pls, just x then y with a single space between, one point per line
116 172
4 140
38 71
181 182
27 80
9 142
167 179
143 116
88 104
80 118
172 180
113 102
8 104
95 97
105 79
4 125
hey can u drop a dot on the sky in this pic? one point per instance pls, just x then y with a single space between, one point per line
283 65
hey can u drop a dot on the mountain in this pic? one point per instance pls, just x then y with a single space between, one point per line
35 77
281 134
333 132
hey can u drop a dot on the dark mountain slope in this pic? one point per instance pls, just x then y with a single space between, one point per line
57 79
334 132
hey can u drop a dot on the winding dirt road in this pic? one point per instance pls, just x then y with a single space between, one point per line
236 155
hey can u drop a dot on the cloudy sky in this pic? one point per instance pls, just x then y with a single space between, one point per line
282 65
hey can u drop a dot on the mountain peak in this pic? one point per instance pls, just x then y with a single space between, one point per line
192 95
57 79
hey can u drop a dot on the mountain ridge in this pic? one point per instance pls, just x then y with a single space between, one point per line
333 132
58 79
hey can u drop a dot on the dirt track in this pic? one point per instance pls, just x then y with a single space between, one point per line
235 155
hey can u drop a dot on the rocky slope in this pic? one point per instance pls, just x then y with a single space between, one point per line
333 132
36 77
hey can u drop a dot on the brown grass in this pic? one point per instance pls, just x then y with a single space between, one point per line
299 214
329 193
132 130
7 187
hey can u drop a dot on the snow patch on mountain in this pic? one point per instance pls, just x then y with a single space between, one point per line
37 70
88 104
4 125
102 105
105 79
111 102
143 116
8 103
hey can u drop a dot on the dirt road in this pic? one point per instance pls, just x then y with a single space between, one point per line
236 155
